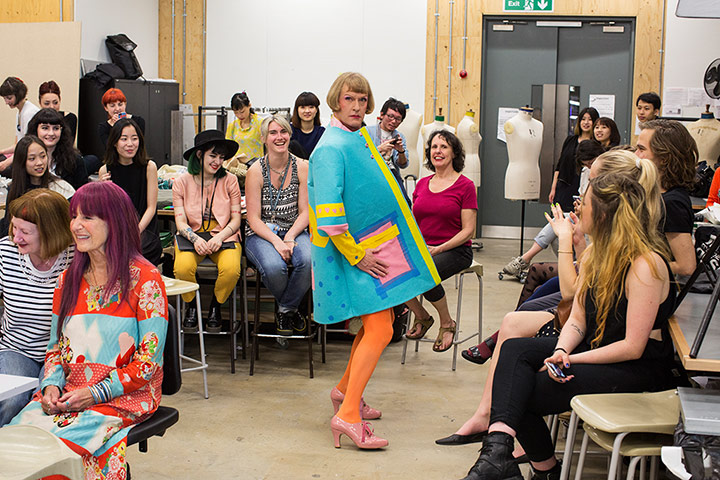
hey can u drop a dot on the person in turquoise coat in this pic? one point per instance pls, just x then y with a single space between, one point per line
368 254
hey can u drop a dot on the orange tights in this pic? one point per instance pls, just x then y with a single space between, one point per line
369 344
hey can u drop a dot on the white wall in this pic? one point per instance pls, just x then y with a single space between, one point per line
138 19
690 45
276 49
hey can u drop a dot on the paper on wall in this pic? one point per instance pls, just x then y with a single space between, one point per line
504 114
604 104
671 110
676 96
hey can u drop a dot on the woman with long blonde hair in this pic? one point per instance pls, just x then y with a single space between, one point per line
615 339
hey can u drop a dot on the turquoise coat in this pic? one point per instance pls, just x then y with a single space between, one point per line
350 188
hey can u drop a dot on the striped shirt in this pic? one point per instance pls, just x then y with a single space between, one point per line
27 296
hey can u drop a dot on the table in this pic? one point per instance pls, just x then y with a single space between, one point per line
11 385
176 287
683 327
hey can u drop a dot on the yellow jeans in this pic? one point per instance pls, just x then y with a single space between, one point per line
228 265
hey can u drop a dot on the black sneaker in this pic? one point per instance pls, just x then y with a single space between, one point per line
496 461
283 323
298 322
190 321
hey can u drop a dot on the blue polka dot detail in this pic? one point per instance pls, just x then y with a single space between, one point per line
337 277
356 257
342 306
330 259
320 284
329 293
331 318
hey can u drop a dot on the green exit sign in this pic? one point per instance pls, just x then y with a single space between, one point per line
528 5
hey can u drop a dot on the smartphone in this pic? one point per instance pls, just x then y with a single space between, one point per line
576 197
555 370
122 114
396 140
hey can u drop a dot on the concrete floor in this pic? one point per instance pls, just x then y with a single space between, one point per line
275 424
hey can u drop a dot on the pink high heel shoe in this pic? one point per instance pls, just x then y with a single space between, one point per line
360 433
366 411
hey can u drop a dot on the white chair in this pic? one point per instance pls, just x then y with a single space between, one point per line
28 453
477 269
176 287
621 415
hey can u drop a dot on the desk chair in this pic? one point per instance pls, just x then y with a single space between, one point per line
476 269
621 414
164 417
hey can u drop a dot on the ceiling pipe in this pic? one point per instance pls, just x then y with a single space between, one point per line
465 37
184 65
451 2
437 18
172 42
204 49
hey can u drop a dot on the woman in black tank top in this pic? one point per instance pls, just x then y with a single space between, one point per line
128 166
616 338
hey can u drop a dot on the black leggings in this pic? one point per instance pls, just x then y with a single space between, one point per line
521 395
448 264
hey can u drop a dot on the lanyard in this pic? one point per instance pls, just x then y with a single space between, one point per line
202 199
274 201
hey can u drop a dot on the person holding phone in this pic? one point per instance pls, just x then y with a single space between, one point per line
206 201
389 141
115 104
616 338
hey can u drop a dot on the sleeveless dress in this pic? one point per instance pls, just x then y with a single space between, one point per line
133 179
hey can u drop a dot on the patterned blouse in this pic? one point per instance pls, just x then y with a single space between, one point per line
286 209
247 138
114 346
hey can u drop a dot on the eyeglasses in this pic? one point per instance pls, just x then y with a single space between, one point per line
394 118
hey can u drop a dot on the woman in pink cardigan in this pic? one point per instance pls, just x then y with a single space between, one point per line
207 215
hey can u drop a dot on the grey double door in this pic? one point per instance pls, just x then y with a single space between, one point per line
595 55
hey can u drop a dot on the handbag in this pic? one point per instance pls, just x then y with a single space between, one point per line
185 245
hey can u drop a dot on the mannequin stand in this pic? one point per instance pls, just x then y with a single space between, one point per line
522 226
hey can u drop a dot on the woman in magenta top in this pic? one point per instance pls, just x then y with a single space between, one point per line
445 207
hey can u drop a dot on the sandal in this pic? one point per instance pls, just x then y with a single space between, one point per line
424 327
437 346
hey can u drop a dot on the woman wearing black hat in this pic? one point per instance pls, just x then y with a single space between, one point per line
207 215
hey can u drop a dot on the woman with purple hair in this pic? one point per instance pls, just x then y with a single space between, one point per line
103 367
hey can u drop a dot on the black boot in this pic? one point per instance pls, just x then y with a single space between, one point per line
496 461
298 322
214 319
283 323
190 322
552 474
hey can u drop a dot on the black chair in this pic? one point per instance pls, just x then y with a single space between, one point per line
308 334
164 417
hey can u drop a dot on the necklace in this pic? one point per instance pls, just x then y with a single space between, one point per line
46 277
281 171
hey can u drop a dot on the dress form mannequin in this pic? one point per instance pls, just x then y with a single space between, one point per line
410 127
426 130
706 133
468 133
524 142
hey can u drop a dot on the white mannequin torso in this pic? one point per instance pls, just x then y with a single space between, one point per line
410 127
426 130
524 142
468 133
706 133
